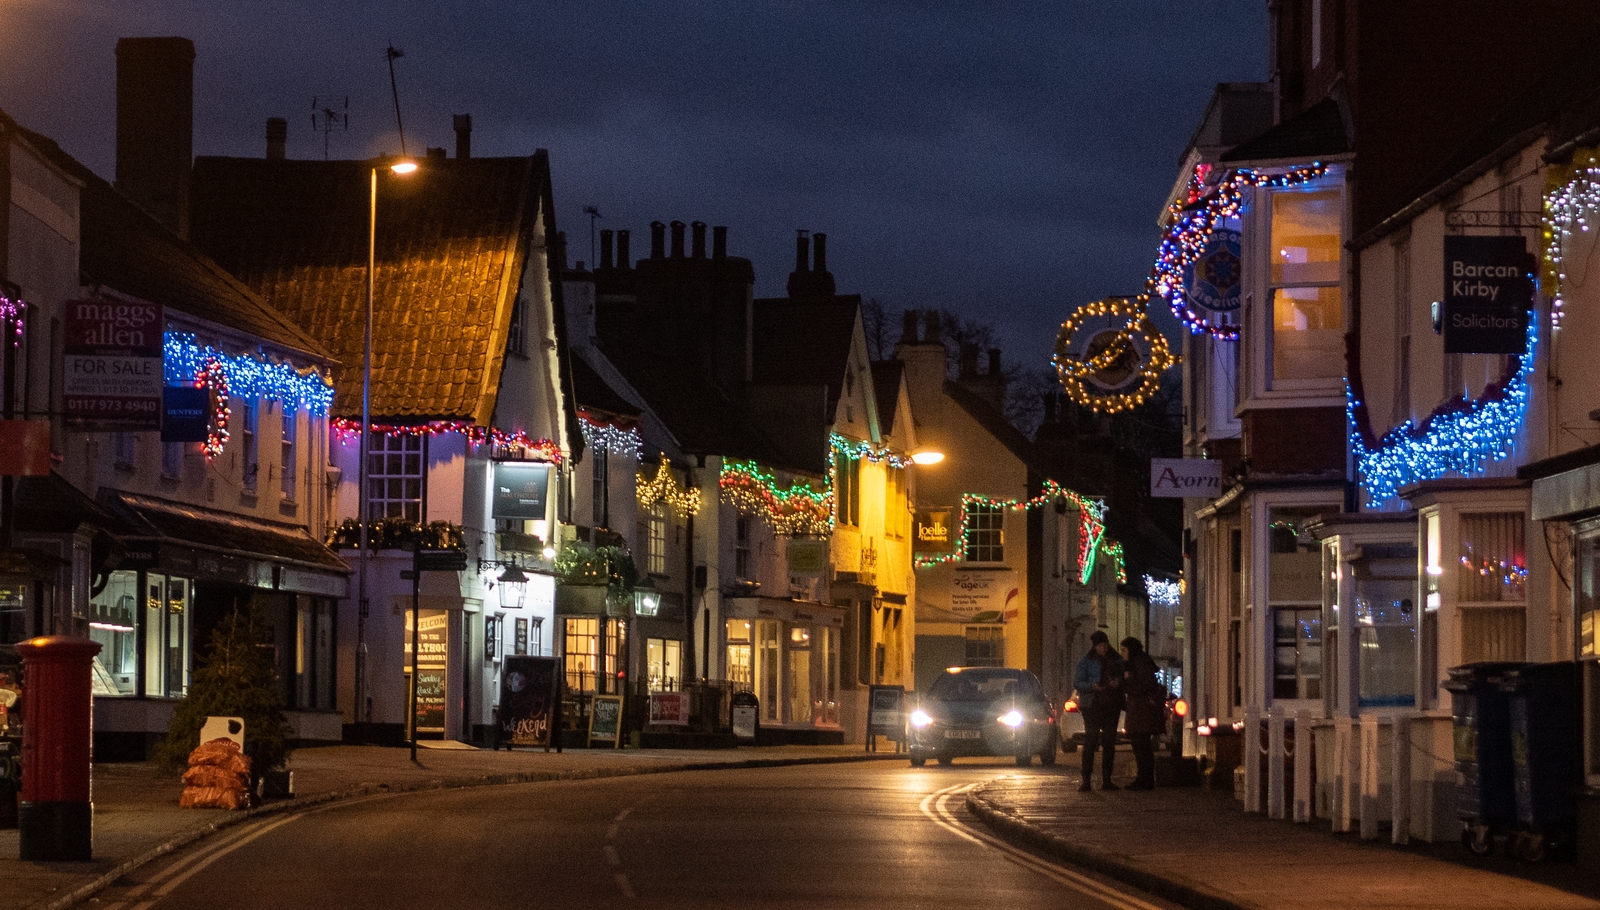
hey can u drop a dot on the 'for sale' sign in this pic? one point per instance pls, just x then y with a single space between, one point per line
111 368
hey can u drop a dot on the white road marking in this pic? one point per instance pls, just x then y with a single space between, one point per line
611 856
936 806
611 832
623 886
623 814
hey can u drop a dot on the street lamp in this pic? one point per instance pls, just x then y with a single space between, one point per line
363 707
927 456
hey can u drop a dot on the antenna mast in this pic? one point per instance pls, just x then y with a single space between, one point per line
329 113
395 89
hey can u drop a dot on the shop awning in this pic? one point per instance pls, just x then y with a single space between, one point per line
165 522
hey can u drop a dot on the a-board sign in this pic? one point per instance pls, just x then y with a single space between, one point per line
886 712
530 700
669 708
605 720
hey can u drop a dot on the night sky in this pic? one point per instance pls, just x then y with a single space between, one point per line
1005 160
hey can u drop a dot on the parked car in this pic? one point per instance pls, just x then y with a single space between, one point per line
1072 724
984 711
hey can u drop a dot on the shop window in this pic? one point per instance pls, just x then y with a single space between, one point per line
797 657
581 648
112 617
985 646
1297 652
1491 579
394 476
766 669
825 676
166 636
741 661
13 611
1306 311
985 539
1386 642
287 450
663 663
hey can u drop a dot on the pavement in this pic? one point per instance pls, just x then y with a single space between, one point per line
1189 845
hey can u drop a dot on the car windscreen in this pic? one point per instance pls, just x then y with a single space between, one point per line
975 686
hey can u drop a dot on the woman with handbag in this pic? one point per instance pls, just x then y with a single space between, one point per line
1146 710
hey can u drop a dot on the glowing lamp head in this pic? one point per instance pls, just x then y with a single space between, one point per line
926 457
403 167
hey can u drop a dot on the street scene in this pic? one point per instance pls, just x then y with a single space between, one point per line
806 454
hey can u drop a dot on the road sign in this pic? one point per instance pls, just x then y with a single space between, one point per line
442 560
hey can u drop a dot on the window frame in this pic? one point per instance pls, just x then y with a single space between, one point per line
378 451
974 545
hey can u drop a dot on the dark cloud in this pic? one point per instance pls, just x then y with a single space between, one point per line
1003 159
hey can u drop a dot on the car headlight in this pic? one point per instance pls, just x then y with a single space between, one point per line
920 718
1012 718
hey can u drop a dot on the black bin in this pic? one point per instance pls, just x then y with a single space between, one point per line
1546 755
1485 789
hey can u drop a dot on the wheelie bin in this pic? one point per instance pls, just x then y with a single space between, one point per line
1485 790
1546 756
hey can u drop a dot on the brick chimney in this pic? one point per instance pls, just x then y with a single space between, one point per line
155 126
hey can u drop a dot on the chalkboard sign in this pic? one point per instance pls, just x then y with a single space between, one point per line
430 699
605 720
886 715
530 700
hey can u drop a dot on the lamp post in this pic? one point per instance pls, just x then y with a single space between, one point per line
363 707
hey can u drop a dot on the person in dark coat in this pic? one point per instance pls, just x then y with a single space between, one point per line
1098 680
1146 707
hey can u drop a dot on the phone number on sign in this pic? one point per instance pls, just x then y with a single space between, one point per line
126 406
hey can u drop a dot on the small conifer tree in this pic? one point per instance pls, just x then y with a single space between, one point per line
234 679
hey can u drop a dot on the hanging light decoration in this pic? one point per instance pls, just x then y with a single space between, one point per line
541 449
664 488
798 509
1117 368
611 437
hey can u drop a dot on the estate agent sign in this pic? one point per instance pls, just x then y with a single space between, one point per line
1488 289
111 365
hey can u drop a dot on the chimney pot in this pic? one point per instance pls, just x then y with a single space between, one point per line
463 125
968 360
436 154
658 240
677 239
930 328
623 262
698 250
277 138
605 248
819 252
994 362
802 252
719 242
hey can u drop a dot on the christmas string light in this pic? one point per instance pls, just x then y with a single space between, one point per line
852 449
612 438
13 311
1460 437
212 375
1112 549
348 429
664 488
1091 522
1136 334
799 509
249 376
1571 193
1162 592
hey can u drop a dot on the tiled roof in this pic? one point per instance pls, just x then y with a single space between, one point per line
697 413
804 342
129 251
1314 133
451 243
594 393
151 518
886 375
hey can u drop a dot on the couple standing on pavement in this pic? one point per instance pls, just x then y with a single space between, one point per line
1106 686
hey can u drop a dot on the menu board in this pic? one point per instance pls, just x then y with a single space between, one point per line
605 720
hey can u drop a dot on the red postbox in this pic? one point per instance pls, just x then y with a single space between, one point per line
56 817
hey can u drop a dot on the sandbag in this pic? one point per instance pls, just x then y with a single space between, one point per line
213 776
213 798
221 753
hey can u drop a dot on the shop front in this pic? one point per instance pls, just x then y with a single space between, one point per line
787 653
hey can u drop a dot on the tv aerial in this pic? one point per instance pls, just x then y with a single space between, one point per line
330 114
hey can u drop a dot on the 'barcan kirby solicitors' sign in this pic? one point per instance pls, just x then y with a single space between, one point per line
1488 289
111 365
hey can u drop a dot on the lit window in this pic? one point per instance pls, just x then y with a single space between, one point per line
394 476
1307 311
287 446
656 539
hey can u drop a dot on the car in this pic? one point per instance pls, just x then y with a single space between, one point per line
983 711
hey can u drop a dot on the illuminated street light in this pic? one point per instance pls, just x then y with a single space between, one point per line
927 456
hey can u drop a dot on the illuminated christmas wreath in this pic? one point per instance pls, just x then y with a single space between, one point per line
1117 367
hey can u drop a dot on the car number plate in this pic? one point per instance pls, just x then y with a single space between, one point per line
962 734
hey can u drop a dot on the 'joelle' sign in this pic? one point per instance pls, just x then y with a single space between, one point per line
1488 289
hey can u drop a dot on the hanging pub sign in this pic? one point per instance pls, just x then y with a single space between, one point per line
1488 290
931 531
1212 279
520 488
111 365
